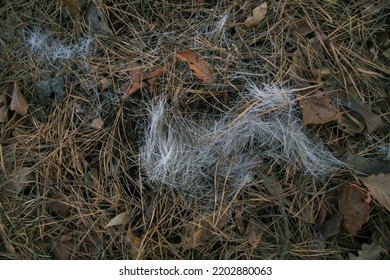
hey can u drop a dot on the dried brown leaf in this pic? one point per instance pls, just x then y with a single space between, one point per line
60 208
317 108
253 233
353 207
97 123
73 6
379 188
118 219
200 67
259 14
18 102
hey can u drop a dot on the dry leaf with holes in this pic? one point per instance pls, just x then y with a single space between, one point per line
97 123
199 66
18 102
317 108
259 14
118 220
3 108
353 207
196 233
379 188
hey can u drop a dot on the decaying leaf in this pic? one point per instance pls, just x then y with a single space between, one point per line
96 20
200 67
105 83
97 123
46 88
3 108
118 219
18 102
371 251
331 227
317 108
368 166
259 14
373 122
20 179
379 188
353 207
196 233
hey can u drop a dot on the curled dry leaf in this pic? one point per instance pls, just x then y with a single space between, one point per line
201 68
253 233
371 251
353 207
259 14
331 227
18 102
379 188
136 251
317 108
118 220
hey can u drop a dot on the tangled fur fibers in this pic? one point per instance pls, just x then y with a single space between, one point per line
192 155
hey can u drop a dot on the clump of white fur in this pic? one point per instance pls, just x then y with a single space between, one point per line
191 154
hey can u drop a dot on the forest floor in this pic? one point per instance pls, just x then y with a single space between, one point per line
77 80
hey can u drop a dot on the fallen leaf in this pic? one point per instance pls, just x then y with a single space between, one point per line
331 226
317 108
60 208
353 207
96 20
373 122
196 233
259 14
118 220
136 251
105 83
138 77
73 6
97 123
379 188
3 108
368 166
201 68
19 180
253 234
64 248
300 27
18 102
371 251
